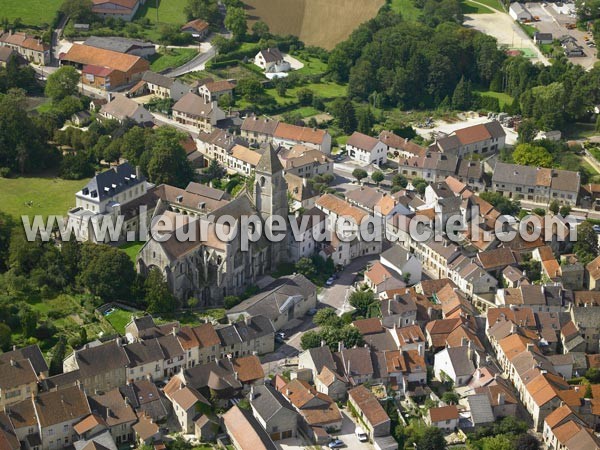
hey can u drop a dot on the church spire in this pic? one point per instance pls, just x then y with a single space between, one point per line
269 161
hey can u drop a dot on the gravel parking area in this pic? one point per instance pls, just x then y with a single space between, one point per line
501 26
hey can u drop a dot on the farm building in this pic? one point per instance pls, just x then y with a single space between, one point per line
117 9
197 28
519 13
542 38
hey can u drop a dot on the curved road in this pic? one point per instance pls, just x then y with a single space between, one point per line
196 63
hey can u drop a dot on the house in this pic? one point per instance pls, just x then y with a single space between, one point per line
398 311
318 411
7 53
519 13
245 431
29 47
535 184
207 427
18 381
198 28
369 411
258 130
542 38
288 298
404 263
271 61
330 383
81 118
400 146
435 166
214 90
147 431
104 69
316 359
119 44
380 279
484 139
195 111
187 403
454 363
145 399
274 413
117 9
57 413
366 149
443 417
122 108
572 49
305 162
303 197
592 274
355 364
253 334
164 87
480 409
117 413
288 135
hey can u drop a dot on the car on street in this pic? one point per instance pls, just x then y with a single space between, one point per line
330 281
281 335
336 443
361 435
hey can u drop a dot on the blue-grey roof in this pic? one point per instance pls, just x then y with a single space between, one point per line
116 44
112 182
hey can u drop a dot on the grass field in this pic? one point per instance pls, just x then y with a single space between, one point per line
469 7
31 12
312 65
118 319
169 11
503 99
174 57
33 196
326 90
316 22
132 249
493 4
407 8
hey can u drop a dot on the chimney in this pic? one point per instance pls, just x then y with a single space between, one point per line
340 346
287 392
501 398
322 343
252 393
13 363
529 347
420 350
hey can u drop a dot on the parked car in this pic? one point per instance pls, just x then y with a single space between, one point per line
280 335
312 311
596 228
361 435
336 443
329 281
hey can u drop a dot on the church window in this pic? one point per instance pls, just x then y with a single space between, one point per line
262 181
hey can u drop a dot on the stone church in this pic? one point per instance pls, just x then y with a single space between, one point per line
208 268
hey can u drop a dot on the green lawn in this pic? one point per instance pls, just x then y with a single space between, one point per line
311 65
407 8
493 4
118 319
169 11
31 12
327 90
33 196
174 57
132 249
503 99
469 7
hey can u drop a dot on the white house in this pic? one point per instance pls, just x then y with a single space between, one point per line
366 149
519 13
122 108
271 61
443 417
454 363
404 263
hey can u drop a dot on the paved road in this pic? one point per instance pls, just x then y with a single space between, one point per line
197 63
56 34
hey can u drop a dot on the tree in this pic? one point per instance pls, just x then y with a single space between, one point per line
203 9
532 155
503 204
359 174
586 247
168 163
310 339
463 95
29 320
214 171
327 317
250 88
365 120
280 86
159 298
6 225
106 271
527 441
377 177
78 10
498 442
527 131
554 206
192 302
420 185
58 355
345 114
450 398
593 375
362 301
306 267
399 180
432 439
226 101
235 21
565 210
305 96
5 337
260 29
62 83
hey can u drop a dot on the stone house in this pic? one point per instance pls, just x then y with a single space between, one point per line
274 413
370 412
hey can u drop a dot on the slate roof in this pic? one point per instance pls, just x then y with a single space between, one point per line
116 44
261 125
32 353
158 79
459 358
101 358
121 177
269 162
15 373
113 408
268 402
321 357
272 54
61 406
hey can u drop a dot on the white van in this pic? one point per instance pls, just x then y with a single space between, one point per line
361 435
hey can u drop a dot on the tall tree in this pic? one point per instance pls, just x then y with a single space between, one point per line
236 22
106 271
168 163
532 155
203 9
345 114
463 95
62 83
158 297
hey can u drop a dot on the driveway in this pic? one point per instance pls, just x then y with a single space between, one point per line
347 434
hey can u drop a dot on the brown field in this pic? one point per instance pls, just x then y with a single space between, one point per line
316 22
